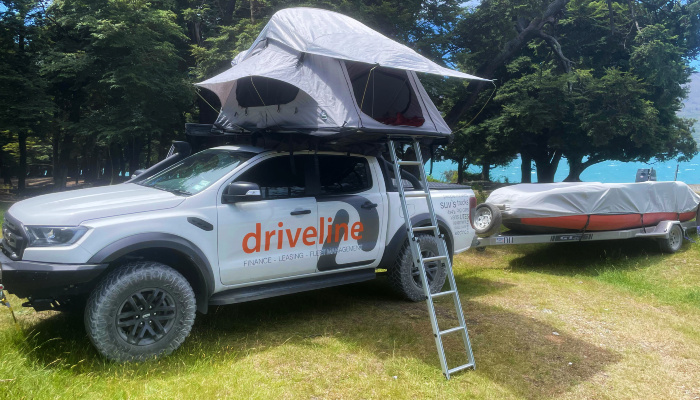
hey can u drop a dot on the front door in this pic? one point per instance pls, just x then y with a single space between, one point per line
350 210
274 237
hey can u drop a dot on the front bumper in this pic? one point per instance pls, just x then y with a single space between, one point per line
36 280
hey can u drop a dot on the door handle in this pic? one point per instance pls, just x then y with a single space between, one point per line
300 212
369 205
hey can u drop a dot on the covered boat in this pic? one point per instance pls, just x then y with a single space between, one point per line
317 73
568 207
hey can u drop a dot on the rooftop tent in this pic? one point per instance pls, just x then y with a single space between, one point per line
325 74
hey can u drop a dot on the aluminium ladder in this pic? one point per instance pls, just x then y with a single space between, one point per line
419 261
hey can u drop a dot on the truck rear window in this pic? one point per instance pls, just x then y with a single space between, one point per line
343 174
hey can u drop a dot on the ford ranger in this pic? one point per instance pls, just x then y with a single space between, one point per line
226 225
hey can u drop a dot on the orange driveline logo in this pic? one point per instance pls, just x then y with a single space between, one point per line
309 237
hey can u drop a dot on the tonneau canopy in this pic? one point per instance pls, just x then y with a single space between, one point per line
323 74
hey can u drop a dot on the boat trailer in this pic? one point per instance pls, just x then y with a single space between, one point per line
669 234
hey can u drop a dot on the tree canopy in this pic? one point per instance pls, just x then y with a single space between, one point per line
99 88
585 80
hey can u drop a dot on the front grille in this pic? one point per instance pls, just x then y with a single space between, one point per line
13 238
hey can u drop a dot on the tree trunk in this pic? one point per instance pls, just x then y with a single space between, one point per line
575 168
545 172
634 16
78 171
135 155
89 161
121 162
109 164
22 170
5 170
486 172
114 161
460 171
92 171
148 150
525 168
612 18
227 17
61 174
547 167
55 144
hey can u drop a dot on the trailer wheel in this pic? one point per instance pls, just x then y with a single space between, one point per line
140 311
487 219
404 277
674 241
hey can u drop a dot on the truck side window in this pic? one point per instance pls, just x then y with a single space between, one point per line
343 174
277 179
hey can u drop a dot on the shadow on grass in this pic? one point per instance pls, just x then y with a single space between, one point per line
513 350
588 258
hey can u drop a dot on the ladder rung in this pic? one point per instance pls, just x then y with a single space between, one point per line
420 261
423 228
436 258
409 163
461 367
455 329
442 293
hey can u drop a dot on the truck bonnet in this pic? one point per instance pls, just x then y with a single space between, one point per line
71 208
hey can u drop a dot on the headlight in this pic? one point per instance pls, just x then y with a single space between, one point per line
43 236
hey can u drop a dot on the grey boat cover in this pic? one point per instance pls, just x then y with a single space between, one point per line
323 73
542 200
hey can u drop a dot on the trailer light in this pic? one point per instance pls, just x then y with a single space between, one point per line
472 207
45 236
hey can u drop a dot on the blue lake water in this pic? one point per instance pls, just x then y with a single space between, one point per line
607 171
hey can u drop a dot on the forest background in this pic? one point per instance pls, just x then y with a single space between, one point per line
92 90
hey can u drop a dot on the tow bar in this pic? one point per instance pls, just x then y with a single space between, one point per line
5 302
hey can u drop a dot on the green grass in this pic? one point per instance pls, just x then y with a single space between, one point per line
586 320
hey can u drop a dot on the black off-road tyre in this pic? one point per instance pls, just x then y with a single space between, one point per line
487 220
404 278
140 311
674 242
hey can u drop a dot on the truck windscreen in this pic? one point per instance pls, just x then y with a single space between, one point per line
197 172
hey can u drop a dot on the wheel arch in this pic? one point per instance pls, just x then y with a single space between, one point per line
172 250
393 246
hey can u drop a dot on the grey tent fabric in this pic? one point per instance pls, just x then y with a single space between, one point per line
349 78
334 35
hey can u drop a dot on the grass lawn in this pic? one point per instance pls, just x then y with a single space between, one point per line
611 320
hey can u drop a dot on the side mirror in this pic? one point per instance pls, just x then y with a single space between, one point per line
237 192
137 172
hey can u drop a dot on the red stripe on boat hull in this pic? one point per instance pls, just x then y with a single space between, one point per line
605 222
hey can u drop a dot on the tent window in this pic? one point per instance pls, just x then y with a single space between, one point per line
385 94
258 91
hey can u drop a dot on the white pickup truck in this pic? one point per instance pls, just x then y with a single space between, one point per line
225 225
